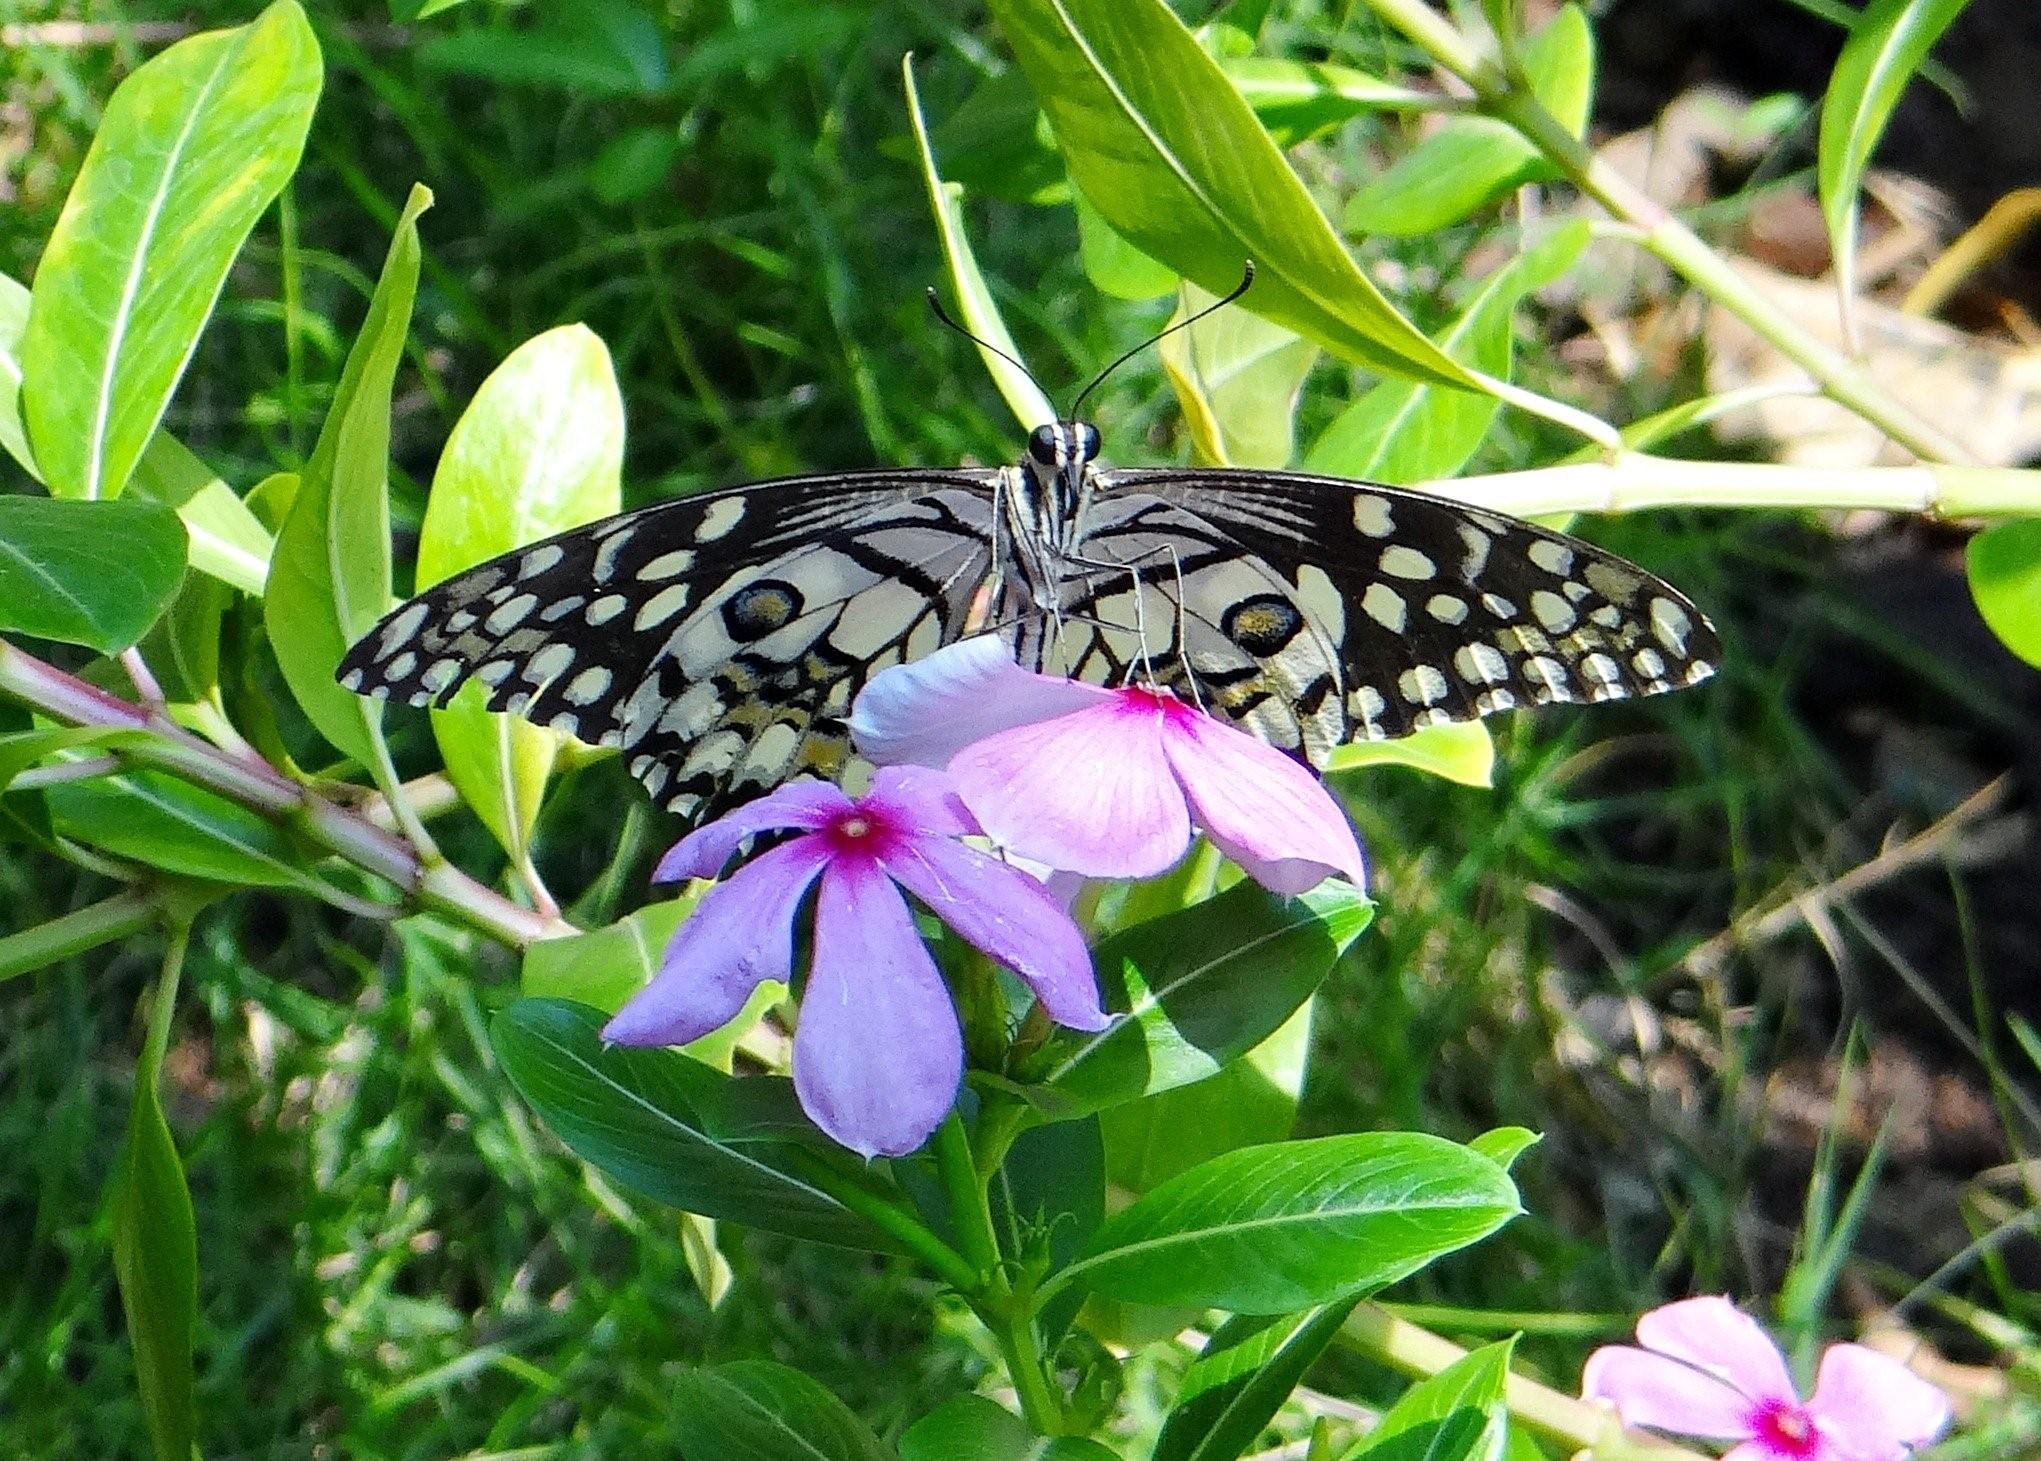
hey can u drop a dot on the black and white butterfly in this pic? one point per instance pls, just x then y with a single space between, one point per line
718 640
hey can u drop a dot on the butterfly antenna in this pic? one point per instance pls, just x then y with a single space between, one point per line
935 303
1246 279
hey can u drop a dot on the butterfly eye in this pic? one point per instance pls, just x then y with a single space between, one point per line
1042 445
1087 441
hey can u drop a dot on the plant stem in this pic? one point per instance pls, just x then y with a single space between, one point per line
890 1217
970 1209
1375 1331
260 787
103 922
1841 379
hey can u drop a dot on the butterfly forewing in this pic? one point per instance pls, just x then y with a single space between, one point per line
717 640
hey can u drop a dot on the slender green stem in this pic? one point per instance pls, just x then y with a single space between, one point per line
1840 378
969 1208
104 922
1022 1349
890 1217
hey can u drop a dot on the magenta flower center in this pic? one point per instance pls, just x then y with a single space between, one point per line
1785 1430
858 832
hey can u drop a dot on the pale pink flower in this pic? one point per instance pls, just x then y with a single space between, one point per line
877 1051
1707 1369
1106 783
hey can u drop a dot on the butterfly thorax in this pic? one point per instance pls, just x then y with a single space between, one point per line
1044 505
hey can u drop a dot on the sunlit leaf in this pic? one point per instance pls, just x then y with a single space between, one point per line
1470 161
90 573
1175 160
192 149
1456 1415
1237 377
980 314
539 450
1275 1229
1461 751
1241 1379
2005 578
1116 266
330 577
1886 46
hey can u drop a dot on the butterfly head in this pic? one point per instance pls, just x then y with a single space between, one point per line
1062 447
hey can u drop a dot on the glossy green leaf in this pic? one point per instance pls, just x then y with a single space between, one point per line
1275 1229
1175 160
1505 1144
192 149
155 1248
604 968
2004 564
666 1125
1886 46
1251 1101
1406 431
755 1410
225 539
1470 161
91 573
1200 988
539 450
1461 751
329 580
161 821
1456 1415
1241 1379
973 1428
1237 376
974 300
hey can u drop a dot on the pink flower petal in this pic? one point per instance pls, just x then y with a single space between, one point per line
916 799
1090 792
1712 1334
1009 917
740 933
1651 1390
925 712
1873 1408
877 1053
1259 807
799 805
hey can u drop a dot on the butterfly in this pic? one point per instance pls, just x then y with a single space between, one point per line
719 640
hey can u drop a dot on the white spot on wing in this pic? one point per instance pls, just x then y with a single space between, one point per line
1385 606
722 515
1401 561
1371 515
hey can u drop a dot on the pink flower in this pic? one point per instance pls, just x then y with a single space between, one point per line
1107 783
877 1052
1707 1369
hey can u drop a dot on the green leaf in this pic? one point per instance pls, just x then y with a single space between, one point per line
1237 376
2004 563
192 149
633 165
538 451
1200 988
592 48
1174 159
155 1247
666 1125
1047 1196
330 577
91 573
1275 1229
1251 1101
972 1428
755 1410
1505 1144
605 968
225 539
1405 431
1023 397
1297 100
1241 1379
1470 161
163 822
1888 43
1116 266
1456 1415
1461 751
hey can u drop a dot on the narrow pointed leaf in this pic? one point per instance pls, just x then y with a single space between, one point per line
538 451
1174 159
1886 46
158 820
330 577
1456 1415
1461 751
666 1125
1275 1229
192 149
1235 1387
91 573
